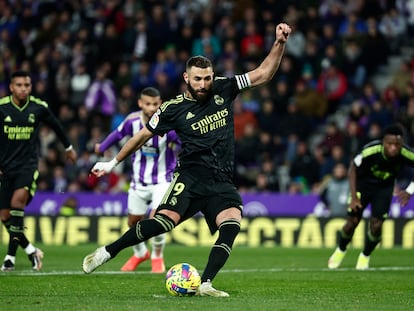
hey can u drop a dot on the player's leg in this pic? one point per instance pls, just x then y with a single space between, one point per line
17 237
158 241
345 237
227 221
228 229
16 194
140 251
162 222
380 207
137 206
372 238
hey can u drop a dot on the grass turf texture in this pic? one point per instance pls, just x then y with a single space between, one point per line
256 279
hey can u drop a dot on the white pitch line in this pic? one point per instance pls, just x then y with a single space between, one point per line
41 273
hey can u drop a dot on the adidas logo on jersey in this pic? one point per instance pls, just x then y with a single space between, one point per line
7 119
189 115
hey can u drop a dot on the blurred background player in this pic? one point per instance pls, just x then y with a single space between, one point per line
152 172
372 177
21 116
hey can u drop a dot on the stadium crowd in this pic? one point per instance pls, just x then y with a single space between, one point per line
89 59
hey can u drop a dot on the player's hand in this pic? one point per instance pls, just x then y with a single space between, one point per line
403 197
96 148
72 155
102 168
355 205
282 32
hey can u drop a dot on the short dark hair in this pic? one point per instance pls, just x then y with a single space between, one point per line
19 74
150 91
198 61
393 129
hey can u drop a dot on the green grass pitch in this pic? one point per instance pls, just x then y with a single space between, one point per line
256 279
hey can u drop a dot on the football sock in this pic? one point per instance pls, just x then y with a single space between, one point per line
142 231
24 242
29 249
370 243
158 243
16 230
344 240
221 250
140 249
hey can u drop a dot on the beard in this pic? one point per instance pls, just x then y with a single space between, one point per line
200 95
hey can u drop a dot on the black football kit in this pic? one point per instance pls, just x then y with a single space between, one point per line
376 175
203 177
19 143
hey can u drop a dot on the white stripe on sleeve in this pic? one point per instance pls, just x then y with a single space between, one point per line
243 81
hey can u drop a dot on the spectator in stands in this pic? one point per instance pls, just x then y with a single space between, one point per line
332 136
334 156
79 85
100 99
207 42
354 65
267 179
406 118
402 77
392 26
294 127
242 117
369 94
252 43
310 102
334 191
304 169
353 138
333 84
359 113
376 48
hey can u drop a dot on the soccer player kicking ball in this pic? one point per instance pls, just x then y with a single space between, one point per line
372 177
203 180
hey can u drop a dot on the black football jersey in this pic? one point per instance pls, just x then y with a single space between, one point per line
20 129
374 168
206 129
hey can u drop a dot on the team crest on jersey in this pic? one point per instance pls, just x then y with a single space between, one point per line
218 100
31 118
154 120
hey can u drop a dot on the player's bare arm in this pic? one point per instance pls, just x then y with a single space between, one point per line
266 70
133 144
71 154
355 201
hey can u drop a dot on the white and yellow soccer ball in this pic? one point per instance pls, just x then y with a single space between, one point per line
182 280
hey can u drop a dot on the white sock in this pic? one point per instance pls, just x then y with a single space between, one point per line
140 249
30 249
158 244
11 258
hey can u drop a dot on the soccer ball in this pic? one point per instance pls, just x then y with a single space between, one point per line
182 279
